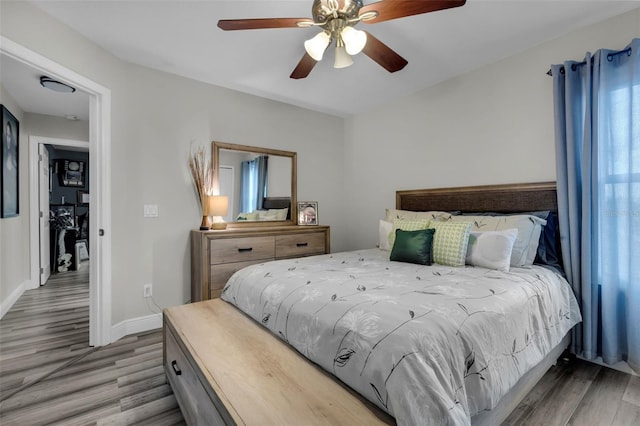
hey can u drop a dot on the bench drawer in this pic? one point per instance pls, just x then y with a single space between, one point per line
195 404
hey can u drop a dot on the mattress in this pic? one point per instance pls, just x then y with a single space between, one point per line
427 344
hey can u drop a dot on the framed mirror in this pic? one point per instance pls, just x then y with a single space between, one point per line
261 184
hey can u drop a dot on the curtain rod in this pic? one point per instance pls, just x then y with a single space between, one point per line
579 64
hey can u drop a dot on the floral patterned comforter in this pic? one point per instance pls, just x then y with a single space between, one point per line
427 344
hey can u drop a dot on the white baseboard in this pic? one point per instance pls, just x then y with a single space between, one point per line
136 325
13 297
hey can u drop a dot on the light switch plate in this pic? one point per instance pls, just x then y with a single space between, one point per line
150 210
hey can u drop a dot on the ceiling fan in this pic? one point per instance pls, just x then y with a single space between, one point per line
337 19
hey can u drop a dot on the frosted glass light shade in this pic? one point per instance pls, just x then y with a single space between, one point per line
316 46
354 40
342 58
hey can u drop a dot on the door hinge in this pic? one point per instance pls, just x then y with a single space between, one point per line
41 214
41 271
40 157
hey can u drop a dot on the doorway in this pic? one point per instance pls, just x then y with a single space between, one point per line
100 188
63 204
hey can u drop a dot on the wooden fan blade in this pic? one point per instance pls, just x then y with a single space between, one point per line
383 54
394 9
261 23
304 67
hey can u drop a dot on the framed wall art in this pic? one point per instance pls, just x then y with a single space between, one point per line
307 213
9 175
70 172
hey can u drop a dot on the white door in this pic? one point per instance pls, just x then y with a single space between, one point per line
43 193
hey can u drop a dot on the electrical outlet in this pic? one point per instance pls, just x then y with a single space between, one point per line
147 290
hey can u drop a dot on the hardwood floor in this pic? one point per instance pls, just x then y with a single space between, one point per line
50 375
581 393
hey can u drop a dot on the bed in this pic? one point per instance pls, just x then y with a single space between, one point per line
424 344
273 208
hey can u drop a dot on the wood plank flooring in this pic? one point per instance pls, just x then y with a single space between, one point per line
50 375
581 393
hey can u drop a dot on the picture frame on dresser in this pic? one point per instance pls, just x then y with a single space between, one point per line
307 212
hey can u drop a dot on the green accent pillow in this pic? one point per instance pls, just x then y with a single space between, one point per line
407 225
413 246
450 242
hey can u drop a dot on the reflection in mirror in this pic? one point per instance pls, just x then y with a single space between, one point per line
260 184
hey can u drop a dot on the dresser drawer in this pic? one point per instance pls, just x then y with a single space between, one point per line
242 249
195 403
303 244
220 274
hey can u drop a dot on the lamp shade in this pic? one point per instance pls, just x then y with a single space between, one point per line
218 205
354 40
316 46
342 58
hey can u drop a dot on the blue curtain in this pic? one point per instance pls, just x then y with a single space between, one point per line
253 184
246 181
597 132
261 180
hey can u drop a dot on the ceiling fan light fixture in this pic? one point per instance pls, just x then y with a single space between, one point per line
354 40
342 59
316 46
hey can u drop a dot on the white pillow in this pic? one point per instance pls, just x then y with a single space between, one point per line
248 216
273 214
491 249
281 214
384 230
409 215
529 229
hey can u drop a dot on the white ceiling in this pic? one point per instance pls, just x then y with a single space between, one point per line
23 84
181 37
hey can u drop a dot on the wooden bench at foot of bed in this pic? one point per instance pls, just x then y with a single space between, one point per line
226 369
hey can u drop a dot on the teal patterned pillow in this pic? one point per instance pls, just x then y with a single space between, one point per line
407 225
450 242
413 247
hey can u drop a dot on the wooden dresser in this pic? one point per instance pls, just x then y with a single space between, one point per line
216 255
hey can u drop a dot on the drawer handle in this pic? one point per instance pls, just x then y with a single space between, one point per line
302 244
245 250
174 365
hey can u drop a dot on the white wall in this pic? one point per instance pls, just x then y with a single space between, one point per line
155 118
56 127
490 126
14 231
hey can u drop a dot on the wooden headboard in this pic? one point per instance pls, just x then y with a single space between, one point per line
511 198
277 203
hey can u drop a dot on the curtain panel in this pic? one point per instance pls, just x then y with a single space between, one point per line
253 183
597 135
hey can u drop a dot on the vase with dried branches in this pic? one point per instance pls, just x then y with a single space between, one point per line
202 174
